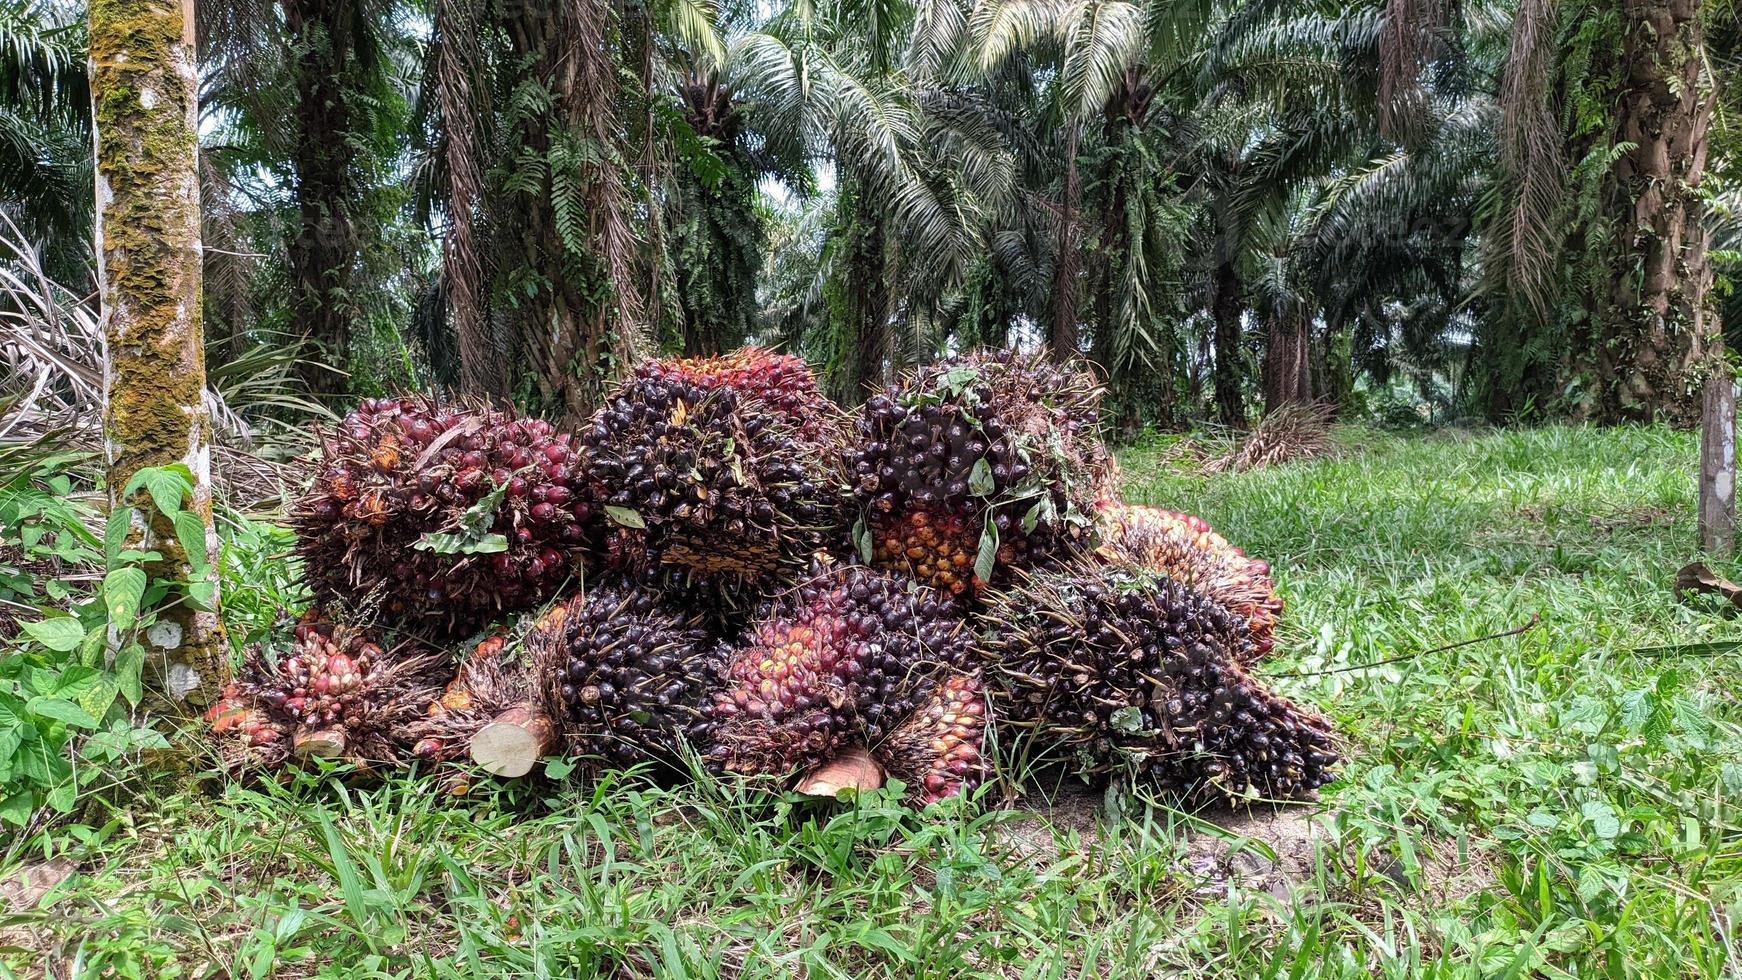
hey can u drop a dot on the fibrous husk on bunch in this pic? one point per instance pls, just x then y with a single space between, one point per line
442 517
977 465
626 673
1119 669
703 470
336 693
938 751
839 661
1186 549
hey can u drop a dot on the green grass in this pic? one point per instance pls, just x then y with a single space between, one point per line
1552 803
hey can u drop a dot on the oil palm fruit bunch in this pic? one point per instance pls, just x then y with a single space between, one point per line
938 750
840 660
700 470
1119 668
247 738
780 381
493 712
443 517
1188 550
627 673
338 692
977 465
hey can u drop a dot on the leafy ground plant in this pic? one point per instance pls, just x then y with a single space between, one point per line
1551 803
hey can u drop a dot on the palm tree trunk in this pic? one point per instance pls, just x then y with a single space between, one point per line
1227 309
1658 331
463 268
1288 372
323 245
145 94
1063 336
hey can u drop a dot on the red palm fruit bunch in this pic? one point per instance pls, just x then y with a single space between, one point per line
627 674
1187 549
781 381
443 516
1120 669
938 751
840 660
703 472
977 465
337 693
246 736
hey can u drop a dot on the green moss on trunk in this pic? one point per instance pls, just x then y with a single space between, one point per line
144 91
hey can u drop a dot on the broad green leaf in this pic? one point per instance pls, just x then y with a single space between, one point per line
625 517
122 590
16 809
60 709
980 482
986 561
190 531
204 594
460 544
115 534
167 486
63 634
128 667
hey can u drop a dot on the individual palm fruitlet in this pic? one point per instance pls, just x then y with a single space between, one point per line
1187 549
977 465
938 751
628 674
339 693
703 471
1115 668
841 659
440 517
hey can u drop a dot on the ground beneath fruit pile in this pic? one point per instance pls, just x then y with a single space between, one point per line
1281 849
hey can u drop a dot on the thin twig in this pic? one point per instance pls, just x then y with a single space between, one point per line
1535 618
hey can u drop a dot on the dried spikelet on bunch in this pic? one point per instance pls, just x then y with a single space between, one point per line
442 517
1289 434
1186 549
1114 669
977 465
722 470
336 693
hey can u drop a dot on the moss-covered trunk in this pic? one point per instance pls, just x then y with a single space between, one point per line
1657 332
145 93
1227 307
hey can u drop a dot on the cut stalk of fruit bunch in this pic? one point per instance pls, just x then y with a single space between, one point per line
722 470
1187 549
1121 669
837 661
440 518
494 710
977 465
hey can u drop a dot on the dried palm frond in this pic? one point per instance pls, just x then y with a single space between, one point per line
1292 433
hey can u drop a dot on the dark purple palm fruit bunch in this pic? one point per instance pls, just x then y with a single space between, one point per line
708 475
441 518
627 674
1185 548
939 750
841 659
978 465
1118 669
338 692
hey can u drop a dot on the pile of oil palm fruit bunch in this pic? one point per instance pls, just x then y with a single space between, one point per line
726 572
